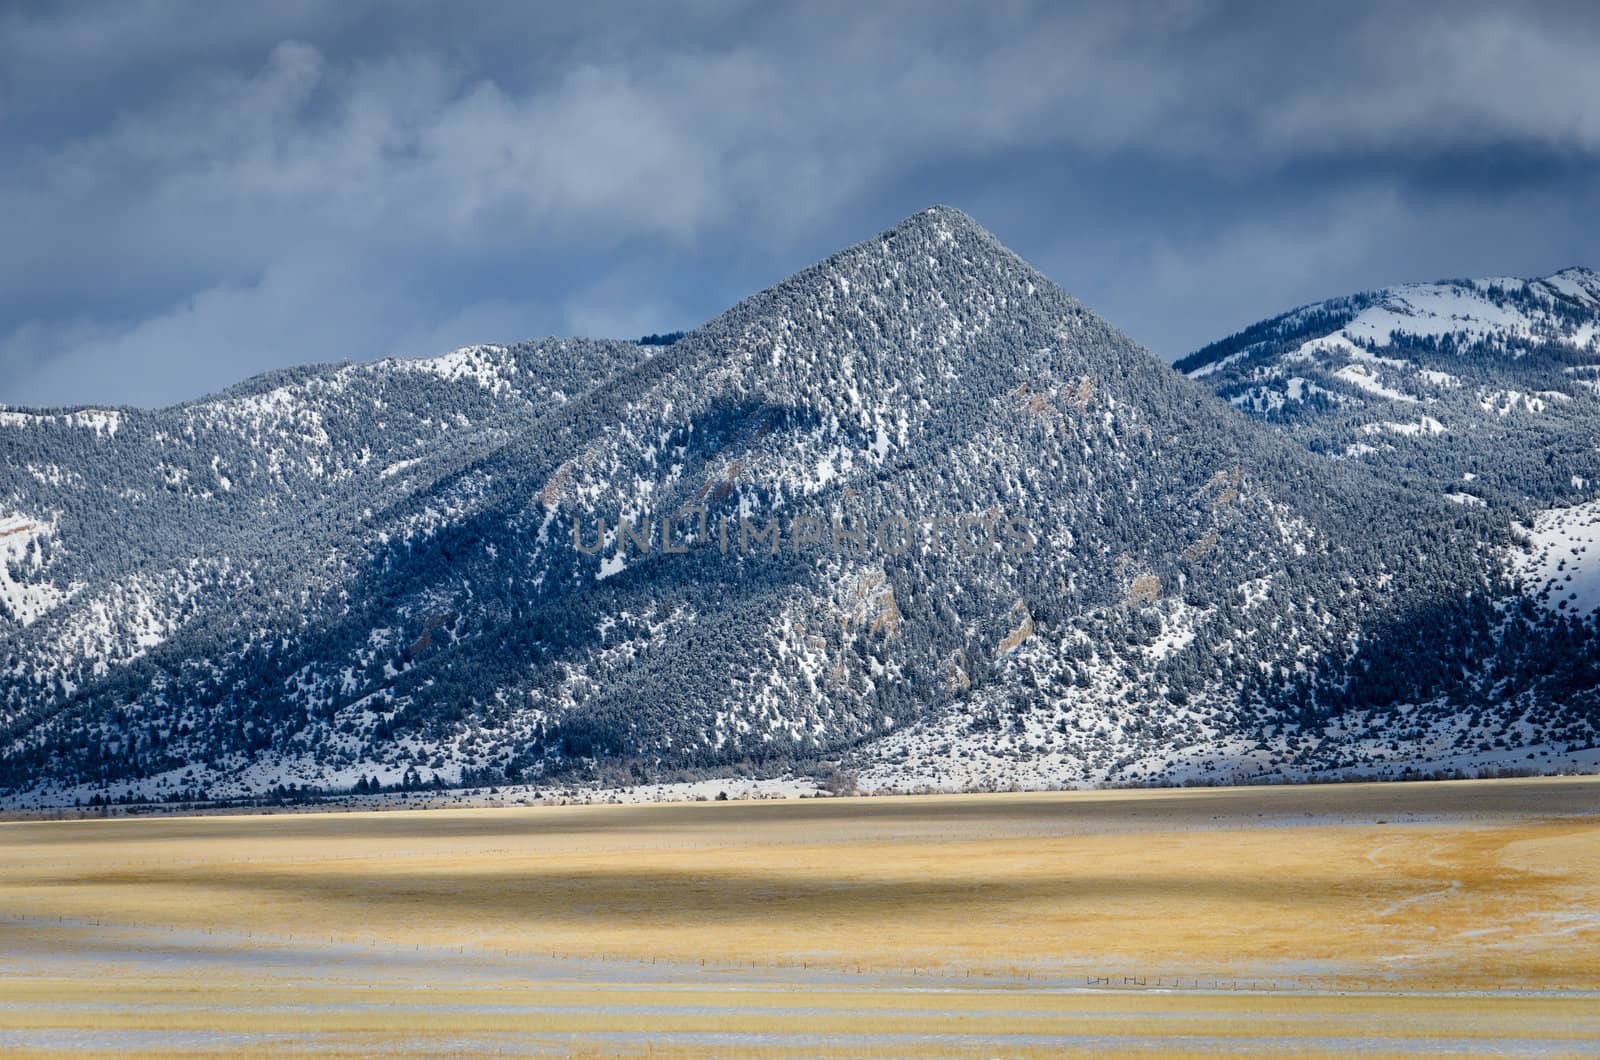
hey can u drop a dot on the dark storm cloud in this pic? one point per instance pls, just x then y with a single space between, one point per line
193 192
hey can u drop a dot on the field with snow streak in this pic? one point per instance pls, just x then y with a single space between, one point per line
1420 918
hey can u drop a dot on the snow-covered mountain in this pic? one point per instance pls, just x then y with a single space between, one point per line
1487 391
914 507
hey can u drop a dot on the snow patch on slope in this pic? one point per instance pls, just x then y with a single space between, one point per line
485 365
1362 377
1561 567
1427 425
1436 310
103 422
21 598
1206 369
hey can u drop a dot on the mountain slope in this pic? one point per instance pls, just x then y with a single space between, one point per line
1487 391
127 514
917 501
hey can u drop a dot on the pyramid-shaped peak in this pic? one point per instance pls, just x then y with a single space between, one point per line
934 240
949 275
932 313
943 223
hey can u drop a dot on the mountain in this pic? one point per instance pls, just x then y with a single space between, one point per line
1487 391
914 508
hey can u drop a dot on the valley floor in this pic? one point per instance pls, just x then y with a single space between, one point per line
1403 919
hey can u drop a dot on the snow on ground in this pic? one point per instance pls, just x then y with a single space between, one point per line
23 599
1206 369
1426 425
1363 377
1505 402
1542 759
1427 309
1312 351
398 467
940 767
1259 399
486 366
103 422
1561 569
100 421
1580 285
1178 629
1479 311
263 776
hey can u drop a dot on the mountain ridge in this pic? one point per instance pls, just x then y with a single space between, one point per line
1203 588
1485 391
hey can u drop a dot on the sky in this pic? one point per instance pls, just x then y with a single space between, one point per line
192 193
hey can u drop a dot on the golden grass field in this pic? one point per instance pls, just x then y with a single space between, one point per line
1448 918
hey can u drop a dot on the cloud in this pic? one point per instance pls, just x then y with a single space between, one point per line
297 312
1367 234
1441 79
298 182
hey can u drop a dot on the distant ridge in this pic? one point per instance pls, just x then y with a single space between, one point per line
1486 391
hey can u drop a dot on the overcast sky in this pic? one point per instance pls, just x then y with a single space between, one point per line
191 193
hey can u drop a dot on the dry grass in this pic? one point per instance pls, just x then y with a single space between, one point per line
1467 886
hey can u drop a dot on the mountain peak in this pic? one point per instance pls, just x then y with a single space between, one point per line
942 218
943 229
949 276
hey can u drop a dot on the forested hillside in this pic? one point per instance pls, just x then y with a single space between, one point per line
1487 391
914 507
